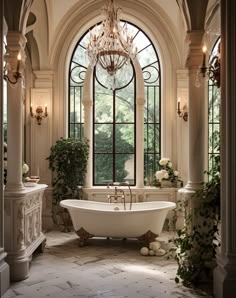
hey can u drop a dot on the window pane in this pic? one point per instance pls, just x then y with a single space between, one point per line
151 74
157 138
103 138
124 168
124 104
151 139
141 41
103 105
147 56
103 168
124 138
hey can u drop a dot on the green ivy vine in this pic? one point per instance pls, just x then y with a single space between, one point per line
68 161
195 245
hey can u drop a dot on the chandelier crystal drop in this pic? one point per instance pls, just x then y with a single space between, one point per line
110 44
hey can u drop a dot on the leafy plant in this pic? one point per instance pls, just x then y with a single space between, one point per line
68 161
196 244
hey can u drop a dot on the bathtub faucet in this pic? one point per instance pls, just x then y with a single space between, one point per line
119 193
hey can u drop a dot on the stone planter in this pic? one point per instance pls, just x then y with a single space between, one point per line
168 184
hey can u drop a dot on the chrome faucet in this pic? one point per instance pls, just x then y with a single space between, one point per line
119 193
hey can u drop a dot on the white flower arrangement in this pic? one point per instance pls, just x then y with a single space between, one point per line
25 169
166 171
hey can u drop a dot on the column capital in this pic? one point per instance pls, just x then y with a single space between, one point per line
43 78
15 46
195 55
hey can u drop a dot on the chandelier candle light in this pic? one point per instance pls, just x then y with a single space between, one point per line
110 44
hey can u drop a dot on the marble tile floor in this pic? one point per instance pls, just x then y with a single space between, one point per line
103 268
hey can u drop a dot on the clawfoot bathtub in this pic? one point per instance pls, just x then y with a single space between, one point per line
145 221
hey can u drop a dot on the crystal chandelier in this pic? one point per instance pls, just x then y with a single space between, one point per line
110 44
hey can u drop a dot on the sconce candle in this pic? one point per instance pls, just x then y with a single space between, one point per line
204 68
18 62
178 106
39 114
182 112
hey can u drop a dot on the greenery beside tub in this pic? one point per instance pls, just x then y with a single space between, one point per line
197 243
68 161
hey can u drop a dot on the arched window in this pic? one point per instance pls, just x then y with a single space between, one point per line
114 112
213 114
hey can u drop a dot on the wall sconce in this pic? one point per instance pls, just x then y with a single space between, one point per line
213 70
182 112
16 75
39 113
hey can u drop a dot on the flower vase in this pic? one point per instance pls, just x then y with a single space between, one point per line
168 184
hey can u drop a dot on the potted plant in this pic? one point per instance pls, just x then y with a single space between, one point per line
68 161
166 176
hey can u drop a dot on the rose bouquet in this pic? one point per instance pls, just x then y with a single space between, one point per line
166 172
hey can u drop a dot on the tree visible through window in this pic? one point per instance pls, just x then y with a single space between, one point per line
213 116
114 113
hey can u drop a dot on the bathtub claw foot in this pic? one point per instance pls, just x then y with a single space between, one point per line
83 236
148 237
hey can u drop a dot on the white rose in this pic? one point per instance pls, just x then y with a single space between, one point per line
25 168
159 175
166 176
163 161
170 164
176 173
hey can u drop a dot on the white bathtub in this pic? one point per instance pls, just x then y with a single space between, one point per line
145 221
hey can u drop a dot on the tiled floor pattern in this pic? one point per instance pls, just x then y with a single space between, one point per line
104 268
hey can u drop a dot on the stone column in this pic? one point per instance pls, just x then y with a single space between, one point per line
196 114
88 133
225 273
4 268
140 100
15 45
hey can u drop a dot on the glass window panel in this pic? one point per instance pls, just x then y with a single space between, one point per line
141 41
103 168
77 105
77 74
146 57
124 138
157 138
151 105
103 108
214 98
157 104
72 131
124 104
151 139
80 55
145 138
124 164
103 138
151 73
